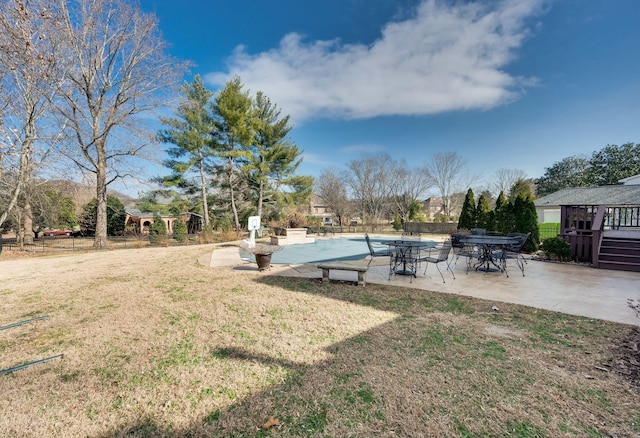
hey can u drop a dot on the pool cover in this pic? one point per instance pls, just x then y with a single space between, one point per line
322 250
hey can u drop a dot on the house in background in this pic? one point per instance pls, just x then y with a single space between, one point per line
317 208
432 207
140 222
602 224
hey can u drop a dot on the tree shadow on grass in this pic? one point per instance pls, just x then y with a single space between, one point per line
427 371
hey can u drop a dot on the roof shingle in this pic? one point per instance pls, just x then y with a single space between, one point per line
604 195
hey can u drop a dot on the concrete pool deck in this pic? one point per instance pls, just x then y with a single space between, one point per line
567 288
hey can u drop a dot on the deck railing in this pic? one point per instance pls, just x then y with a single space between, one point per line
617 218
583 227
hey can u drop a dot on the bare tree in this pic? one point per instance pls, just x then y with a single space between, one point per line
29 78
117 68
408 187
447 171
370 183
332 189
504 179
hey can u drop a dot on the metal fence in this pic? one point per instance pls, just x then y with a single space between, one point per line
71 243
548 229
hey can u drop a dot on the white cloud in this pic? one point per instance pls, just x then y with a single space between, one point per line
446 57
359 149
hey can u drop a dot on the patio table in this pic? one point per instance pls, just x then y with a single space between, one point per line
487 246
405 255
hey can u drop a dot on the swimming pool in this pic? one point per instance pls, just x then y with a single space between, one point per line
322 250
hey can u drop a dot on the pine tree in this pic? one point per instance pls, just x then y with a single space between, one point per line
526 221
484 215
468 214
190 134
503 218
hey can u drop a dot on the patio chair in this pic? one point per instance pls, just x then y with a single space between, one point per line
467 250
514 252
375 252
442 256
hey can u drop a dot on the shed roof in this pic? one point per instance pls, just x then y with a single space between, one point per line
604 195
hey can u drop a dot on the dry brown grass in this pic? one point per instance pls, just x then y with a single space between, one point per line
156 344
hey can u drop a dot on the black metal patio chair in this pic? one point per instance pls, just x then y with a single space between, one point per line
462 249
375 252
443 256
514 252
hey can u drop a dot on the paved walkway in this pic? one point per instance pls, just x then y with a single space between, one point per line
567 288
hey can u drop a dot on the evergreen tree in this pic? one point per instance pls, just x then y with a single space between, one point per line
272 159
180 230
116 216
501 201
190 133
520 188
526 221
484 216
234 132
502 215
158 229
468 214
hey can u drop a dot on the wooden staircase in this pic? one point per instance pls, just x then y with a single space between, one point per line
619 253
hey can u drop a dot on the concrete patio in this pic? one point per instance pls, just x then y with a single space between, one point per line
567 288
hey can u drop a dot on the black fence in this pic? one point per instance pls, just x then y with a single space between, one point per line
71 243
548 229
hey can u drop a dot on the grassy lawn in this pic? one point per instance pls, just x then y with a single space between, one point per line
156 344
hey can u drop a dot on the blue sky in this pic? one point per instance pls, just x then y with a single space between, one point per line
505 84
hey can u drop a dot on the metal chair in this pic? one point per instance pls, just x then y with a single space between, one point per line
443 256
514 252
461 249
375 252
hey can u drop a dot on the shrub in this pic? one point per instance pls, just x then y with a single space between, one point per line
223 224
207 235
314 222
158 230
296 220
397 223
556 247
180 231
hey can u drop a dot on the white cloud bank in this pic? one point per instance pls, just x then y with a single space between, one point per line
446 57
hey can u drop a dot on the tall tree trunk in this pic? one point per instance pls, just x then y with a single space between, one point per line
232 195
28 219
203 183
100 239
260 191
